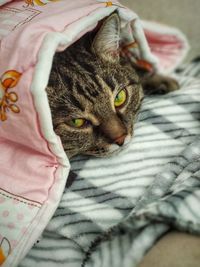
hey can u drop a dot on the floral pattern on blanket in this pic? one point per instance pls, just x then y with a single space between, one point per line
38 2
7 99
5 249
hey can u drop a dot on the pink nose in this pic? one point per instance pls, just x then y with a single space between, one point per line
120 140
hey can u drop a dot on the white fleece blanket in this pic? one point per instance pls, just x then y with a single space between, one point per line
117 208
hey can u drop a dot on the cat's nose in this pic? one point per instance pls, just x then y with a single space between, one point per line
120 140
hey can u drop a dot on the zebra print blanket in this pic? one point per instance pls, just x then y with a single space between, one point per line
116 208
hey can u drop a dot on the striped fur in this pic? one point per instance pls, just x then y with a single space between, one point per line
84 82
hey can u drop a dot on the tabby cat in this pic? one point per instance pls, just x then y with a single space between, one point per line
95 94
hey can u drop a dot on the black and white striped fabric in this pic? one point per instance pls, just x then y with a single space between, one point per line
118 207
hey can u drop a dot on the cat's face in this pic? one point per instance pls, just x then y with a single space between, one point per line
94 98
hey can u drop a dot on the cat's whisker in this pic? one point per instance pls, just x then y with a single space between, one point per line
127 140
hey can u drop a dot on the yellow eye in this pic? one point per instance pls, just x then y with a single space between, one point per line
77 123
120 98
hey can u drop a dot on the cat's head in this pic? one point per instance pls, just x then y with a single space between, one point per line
94 97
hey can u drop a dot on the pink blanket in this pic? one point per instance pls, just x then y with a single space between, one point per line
33 165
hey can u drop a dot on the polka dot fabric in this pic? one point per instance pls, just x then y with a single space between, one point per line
16 215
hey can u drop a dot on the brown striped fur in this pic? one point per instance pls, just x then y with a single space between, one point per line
84 81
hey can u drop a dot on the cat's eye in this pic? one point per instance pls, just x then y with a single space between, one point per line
78 123
120 98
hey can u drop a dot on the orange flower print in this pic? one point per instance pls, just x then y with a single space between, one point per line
5 249
7 99
38 2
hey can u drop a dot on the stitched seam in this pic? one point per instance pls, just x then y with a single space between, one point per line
15 198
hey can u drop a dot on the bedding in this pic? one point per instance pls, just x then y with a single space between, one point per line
99 205
114 210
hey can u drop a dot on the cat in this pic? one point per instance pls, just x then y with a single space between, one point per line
95 95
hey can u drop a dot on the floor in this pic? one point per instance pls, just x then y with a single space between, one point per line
184 14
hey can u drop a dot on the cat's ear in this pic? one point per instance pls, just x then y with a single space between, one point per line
106 41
